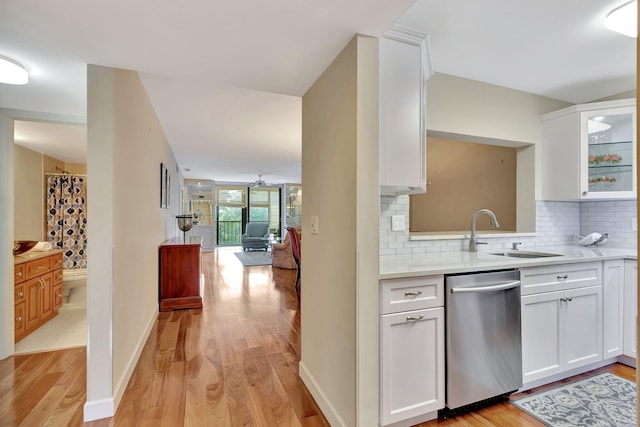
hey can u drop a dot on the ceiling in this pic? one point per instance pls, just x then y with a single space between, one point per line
226 78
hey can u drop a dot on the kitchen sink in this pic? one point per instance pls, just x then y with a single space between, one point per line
524 254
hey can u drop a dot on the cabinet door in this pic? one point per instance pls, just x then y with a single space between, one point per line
612 308
582 330
541 335
412 364
402 106
32 309
20 327
608 153
46 296
57 296
630 307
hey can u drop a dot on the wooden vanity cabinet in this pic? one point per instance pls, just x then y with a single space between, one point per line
180 274
37 291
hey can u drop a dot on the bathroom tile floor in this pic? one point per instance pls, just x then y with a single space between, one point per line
68 329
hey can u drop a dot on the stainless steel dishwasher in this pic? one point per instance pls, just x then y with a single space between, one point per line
484 349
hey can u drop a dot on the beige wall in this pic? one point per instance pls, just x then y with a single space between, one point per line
30 186
126 224
328 276
465 177
29 194
474 111
339 360
468 107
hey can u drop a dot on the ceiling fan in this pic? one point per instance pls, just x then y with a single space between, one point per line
259 182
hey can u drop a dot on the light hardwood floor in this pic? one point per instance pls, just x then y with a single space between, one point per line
233 363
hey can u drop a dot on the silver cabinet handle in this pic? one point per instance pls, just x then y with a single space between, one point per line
19 273
565 277
40 267
20 294
491 288
412 294
414 319
19 319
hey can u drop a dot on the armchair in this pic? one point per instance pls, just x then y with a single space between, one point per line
254 236
281 256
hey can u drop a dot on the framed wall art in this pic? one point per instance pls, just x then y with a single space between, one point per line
164 186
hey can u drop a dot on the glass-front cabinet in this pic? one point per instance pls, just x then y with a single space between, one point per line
608 145
589 152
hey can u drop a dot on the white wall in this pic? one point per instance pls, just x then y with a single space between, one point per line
125 148
556 222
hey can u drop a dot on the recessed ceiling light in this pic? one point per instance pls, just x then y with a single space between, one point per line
624 19
12 72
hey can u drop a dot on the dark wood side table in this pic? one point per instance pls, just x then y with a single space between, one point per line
180 274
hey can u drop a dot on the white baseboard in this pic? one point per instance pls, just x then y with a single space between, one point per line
566 374
321 399
121 386
98 409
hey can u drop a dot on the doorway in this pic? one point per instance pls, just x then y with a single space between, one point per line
237 205
50 166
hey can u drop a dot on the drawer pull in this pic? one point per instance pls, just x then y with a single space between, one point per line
414 319
19 319
40 267
19 273
412 294
565 277
20 294
566 299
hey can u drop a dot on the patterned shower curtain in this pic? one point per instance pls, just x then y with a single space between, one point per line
67 218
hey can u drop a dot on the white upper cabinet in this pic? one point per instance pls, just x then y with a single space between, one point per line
589 151
404 69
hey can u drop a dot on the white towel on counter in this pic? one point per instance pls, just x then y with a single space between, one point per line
42 247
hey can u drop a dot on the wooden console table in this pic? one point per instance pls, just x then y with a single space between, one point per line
180 274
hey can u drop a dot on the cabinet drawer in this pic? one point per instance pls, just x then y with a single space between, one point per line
56 261
38 267
19 273
18 295
411 293
560 277
58 276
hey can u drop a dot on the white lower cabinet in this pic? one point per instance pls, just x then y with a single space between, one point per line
561 330
613 273
412 360
412 345
630 307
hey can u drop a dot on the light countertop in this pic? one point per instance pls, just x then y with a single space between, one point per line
31 255
398 266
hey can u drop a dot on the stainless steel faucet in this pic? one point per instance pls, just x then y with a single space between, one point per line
473 242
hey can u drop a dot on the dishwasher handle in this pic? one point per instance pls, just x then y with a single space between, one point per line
491 288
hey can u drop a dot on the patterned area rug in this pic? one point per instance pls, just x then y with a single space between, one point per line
251 258
600 400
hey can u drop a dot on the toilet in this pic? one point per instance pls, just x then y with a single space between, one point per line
72 278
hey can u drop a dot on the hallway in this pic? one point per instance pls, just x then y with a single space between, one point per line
232 363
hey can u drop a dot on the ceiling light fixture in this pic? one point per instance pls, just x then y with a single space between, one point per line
12 72
624 19
594 126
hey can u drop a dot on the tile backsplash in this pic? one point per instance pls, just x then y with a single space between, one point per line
557 223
